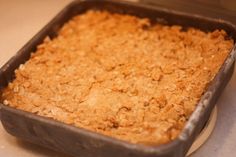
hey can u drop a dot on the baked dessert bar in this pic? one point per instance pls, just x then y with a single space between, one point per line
120 75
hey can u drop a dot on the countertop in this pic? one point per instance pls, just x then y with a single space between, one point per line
21 19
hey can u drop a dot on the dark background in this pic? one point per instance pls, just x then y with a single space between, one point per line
222 9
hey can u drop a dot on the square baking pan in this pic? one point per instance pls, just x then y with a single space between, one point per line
80 142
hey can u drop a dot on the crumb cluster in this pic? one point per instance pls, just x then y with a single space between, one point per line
119 75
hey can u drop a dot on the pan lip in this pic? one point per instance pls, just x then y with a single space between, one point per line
92 134
190 125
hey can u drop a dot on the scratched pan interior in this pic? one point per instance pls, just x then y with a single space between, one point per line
79 142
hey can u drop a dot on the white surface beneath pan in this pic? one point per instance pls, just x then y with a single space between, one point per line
205 133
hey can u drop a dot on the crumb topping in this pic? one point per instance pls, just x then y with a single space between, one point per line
119 75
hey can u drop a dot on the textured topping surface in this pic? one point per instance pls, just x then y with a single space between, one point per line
120 75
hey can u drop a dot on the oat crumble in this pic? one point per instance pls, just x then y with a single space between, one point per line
119 75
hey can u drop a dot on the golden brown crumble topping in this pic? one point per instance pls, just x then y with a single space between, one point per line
119 75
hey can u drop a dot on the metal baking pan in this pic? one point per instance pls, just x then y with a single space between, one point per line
80 142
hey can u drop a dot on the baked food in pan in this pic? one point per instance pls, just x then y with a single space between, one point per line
120 75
